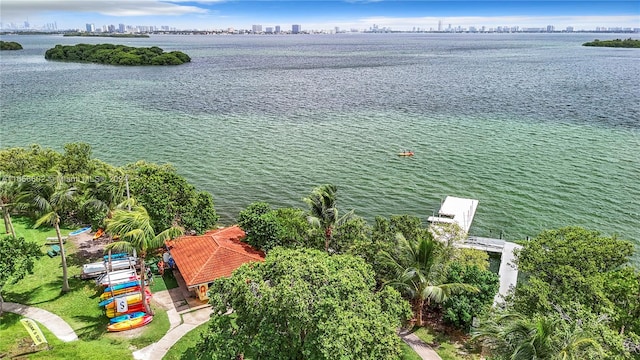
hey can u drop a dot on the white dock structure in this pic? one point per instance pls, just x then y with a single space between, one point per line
455 210
460 211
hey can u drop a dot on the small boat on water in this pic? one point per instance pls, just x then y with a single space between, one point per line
80 231
406 153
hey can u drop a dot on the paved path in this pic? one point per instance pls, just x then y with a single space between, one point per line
51 321
508 272
180 323
419 346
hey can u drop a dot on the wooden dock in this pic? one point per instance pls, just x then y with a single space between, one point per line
461 211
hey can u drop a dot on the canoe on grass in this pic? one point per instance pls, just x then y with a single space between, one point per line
130 324
96 269
122 285
131 298
133 315
80 231
117 277
98 233
111 313
109 294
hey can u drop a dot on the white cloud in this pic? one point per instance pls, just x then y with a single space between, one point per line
23 8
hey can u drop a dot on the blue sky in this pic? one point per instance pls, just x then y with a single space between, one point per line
346 14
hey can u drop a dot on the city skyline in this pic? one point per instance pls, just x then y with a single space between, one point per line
317 15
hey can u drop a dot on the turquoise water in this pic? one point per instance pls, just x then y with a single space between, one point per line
544 132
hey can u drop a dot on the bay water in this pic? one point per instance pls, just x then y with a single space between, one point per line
542 131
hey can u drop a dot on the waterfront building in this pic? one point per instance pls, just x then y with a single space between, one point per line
256 29
295 29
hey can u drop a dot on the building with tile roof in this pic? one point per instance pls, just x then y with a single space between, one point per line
201 259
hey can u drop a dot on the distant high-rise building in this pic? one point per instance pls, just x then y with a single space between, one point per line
26 24
269 30
277 29
121 28
256 29
439 25
91 27
569 28
295 29
550 28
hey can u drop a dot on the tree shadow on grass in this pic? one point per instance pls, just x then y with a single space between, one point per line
26 297
8 319
96 328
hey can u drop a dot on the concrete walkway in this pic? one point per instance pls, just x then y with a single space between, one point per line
51 321
419 346
185 314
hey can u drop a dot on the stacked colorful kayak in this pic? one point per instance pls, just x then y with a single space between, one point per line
125 289
130 323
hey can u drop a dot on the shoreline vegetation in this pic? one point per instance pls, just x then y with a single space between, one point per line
111 54
10 45
350 281
627 43
84 34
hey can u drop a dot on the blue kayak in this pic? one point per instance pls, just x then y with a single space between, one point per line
123 285
124 317
80 231
117 256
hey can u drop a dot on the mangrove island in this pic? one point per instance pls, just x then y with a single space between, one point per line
10 45
627 43
116 55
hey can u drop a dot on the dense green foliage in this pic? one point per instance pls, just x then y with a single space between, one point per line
133 227
100 187
570 264
419 272
169 198
580 299
10 45
516 337
461 308
303 304
626 43
17 258
116 55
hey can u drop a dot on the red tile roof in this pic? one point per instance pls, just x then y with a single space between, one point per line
204 258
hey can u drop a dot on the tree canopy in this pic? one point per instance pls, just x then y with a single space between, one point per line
17 258
626 43
116 55
303 304
10 45
169 198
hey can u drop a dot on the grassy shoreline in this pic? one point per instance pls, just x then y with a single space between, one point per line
79 308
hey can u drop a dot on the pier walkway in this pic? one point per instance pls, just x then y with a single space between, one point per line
461 212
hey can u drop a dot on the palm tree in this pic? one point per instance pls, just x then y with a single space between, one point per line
323 212
103 195
136 233
8 194
419 269
50 199
516 337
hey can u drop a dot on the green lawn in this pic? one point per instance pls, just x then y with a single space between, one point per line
78 307
444 346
